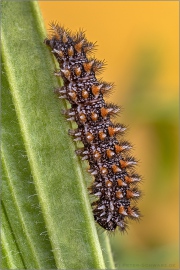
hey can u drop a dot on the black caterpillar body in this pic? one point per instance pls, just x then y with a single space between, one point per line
115 182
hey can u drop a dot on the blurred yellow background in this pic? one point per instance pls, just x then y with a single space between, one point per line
139 41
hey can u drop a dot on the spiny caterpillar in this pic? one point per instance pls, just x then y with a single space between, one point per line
115 182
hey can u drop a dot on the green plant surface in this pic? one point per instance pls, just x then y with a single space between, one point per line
10 250
47 221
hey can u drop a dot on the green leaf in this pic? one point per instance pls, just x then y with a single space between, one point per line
47 217
10 251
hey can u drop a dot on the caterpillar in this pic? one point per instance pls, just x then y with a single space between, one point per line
115 183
